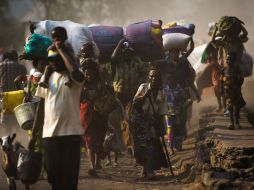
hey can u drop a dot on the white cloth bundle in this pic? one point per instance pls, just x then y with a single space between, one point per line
78 34
173 41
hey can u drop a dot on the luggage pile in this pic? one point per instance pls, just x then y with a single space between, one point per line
147 38
78 34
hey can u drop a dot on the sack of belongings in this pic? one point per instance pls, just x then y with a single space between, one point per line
106 38
36 46
145 37
177 36
229 25
29 167
78 34
113 142
246 65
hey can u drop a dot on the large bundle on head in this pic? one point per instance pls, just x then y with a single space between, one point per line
78 34
145 38
229 25
177 36
36 46
106 38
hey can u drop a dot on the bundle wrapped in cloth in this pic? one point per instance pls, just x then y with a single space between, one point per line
229 25
36 46
145 37
246 65
177 36
203 71
106 38
78 34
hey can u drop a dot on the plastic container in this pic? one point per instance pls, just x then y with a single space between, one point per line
25 115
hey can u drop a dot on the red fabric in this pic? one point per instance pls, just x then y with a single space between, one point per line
86 114
215 75
95 127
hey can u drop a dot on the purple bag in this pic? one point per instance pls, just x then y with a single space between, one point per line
140 36
106 38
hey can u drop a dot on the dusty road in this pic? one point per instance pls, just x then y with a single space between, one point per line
124 176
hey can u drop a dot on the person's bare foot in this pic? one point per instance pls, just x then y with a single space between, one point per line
238 126
143 173
150 176
115 164
218 109
108 163
231 127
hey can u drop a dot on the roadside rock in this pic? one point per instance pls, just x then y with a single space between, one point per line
225 157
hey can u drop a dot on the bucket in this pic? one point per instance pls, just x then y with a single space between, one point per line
25 115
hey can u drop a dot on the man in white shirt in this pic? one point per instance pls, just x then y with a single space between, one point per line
58 114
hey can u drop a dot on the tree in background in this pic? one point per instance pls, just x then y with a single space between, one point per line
10 28
107 12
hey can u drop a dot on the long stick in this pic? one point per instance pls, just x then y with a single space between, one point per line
162 140
167 155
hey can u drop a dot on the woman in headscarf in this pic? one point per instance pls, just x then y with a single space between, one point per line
148 124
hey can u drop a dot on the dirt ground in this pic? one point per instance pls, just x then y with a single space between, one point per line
126 175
